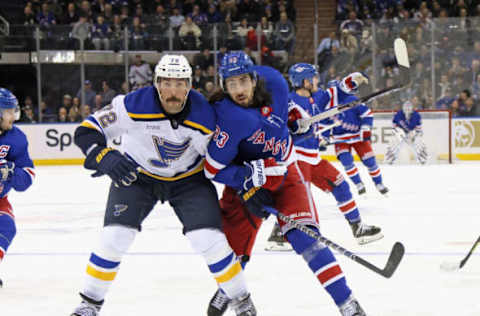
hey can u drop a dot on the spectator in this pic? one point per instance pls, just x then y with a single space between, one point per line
199 18
48 115
354 25
176 19
327 43
213 16
124 88
221 52
227 34
108 14
89 93
267 30
100 34
84 111
62 115
28 16
209 89
124 16
76 102
67 102
138 35
242 31
190 34
74 115
46 18
81 29
98 103
198 80
203 59
476 89
140 74
28 116
117 34
469 109
160 18
285 34
107 93
71 15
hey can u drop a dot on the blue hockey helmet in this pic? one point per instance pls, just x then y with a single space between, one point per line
235 64
300 72
8 101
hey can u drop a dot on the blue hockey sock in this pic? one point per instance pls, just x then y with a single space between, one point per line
373 169
347 161
8 230
346 203
323 264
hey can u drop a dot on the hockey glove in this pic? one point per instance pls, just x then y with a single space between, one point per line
266 173
255 199
350 83
113 163
296 123
365 133
7 168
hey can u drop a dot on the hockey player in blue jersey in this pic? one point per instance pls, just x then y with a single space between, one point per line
252 154
407 129
165 131
354 133
16 167
305 101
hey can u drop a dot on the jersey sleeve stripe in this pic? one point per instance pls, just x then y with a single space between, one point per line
91 123
367 113
198 127
30 172
146 115
212 167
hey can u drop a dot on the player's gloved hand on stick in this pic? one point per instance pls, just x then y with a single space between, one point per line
296 123
113 163
261 175
365 133
7 168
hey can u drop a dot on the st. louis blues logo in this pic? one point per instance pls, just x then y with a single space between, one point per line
168 151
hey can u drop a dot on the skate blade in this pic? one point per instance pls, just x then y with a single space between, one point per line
369 239
275 246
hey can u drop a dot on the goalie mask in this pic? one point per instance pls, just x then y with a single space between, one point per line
8 103
173 67
407 109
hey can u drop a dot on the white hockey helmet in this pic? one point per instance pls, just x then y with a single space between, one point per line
173 66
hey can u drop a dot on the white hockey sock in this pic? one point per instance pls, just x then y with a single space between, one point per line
105 261
221 260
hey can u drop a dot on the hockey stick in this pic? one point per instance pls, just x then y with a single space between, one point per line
393 261
401 53
454 266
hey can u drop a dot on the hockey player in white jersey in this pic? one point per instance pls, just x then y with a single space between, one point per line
165 130
407 129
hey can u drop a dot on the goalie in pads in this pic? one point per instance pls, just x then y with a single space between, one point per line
407 129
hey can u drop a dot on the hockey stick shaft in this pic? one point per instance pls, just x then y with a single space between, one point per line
393 261
464 261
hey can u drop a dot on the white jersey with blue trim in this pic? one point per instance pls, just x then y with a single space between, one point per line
166 147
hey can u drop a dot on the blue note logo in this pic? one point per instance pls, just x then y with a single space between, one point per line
119 209
168 151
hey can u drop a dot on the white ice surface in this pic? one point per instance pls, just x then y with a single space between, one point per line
434 210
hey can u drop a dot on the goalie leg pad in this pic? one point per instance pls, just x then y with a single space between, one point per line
104 262
221 260
8 230
421 151
322 262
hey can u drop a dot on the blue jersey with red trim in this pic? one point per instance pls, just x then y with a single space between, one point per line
410 124
14 148
351 123
245 134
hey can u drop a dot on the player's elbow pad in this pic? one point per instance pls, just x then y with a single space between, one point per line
21 181
86 137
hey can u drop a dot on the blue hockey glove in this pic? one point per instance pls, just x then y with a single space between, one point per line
113 163
7 168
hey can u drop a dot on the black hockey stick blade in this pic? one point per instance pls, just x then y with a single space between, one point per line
394 260
462 263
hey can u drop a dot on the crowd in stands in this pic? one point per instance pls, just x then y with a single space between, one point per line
102 23
451 28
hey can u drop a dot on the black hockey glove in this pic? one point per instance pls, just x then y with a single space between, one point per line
255 199
113 163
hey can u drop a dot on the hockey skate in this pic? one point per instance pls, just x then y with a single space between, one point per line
243 306
365 234
351 308
276 241
87 307
218 304
361 188
382 189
